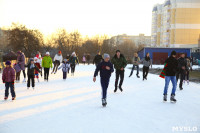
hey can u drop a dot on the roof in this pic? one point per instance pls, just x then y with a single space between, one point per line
155 9
162 48
167 3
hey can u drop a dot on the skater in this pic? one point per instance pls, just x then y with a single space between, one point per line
187 71
147 62
21 61
18 71
39 60
136 61
97 59
170 75
105 68
88 59
38 65
84 59
8 77
73 61
182 68
65 67
56 61
46 64
119 62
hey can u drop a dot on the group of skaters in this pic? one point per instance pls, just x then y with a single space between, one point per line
173 70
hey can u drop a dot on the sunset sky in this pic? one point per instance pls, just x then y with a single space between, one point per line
90 17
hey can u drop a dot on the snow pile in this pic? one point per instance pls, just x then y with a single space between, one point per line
74 106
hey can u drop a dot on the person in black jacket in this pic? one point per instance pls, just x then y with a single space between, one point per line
97 59
105 68
170 72
182 66
31 73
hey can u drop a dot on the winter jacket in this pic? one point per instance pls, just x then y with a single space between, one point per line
88 57
65 67
182 63
171 67
97 59
21 60
47 62
73 60
136 60
146 62
8 74
31 69
38 66
17 68
84 59
58 58
104 73
119 62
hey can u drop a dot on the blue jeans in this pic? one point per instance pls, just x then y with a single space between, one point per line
104 86
167 80
137 66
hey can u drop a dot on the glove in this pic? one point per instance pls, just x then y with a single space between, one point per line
13 82
4 81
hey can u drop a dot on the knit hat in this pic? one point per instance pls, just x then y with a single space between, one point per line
173 53
47 53
8 62
106 56
59 52
31 59
117 51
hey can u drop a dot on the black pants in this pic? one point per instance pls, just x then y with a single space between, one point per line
41 72
55 67
46 73
145 71
64 75
186 75
12 89
120 74
73 68
137 66
24 73
18 76
31 79
180 74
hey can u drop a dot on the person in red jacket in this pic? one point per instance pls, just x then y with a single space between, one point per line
8 78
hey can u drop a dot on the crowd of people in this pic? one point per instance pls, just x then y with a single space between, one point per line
174 70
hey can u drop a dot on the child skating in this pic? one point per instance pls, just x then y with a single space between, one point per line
105 68
31 73
8 78
65 67
37 63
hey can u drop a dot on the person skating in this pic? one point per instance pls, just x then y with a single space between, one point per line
147 62
187 71
65 67
68 57
88 58
31 73
97 59
119 62
84 59
46 64
182 67
73 61
136 61
170 75
38 65
105 68
56 61
21 61
8 77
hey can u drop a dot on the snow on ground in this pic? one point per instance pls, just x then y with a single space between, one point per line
74 106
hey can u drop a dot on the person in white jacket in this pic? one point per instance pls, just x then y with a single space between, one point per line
65 67
57 60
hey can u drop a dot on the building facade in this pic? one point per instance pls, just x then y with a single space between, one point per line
176 23
137 40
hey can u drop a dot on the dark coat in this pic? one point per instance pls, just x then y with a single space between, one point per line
104 73
182 63
119 62
31 71
97 59
21 60
172 66
8 74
